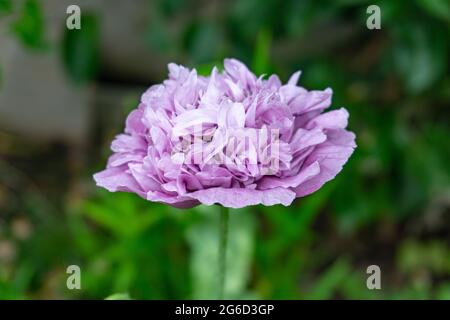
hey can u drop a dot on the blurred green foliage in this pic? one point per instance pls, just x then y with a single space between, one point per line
29 26
390 206
80 49
5 6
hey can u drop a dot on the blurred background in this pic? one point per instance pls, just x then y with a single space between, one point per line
65 94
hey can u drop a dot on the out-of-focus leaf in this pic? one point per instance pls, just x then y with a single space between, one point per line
29 27
299 16
158 36
119 296
80 49
294 224
302 15
261 59
431 256
170 7
443 291
205 69
352 2
203 239
438 8
203 41
354 286
124 275
420 55
427 166
111 210
330 280
247 18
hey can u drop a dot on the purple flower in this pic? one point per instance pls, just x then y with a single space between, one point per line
230 138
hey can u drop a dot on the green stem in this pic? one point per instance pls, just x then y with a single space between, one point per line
223 241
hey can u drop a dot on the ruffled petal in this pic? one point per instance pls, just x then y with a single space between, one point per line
292 181
331 156
117 179
243 197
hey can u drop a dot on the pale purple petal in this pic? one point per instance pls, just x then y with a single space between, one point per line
292 181
331 156
242 197
117 179
311 100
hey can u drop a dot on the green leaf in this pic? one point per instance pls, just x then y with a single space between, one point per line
330 280
111 210
431 256
204 41
261 59
420 55
438 8
80 50
119 296
443 291
29 27
205 69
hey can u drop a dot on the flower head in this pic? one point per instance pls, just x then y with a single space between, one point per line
230 138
